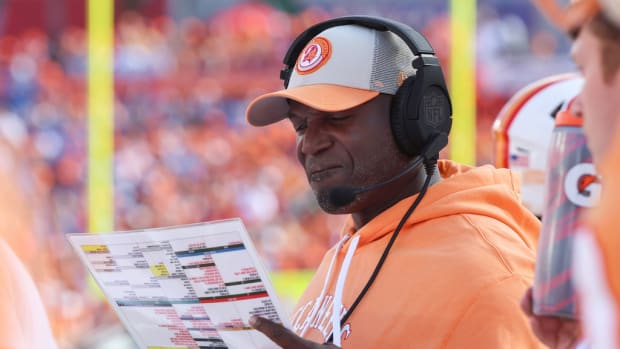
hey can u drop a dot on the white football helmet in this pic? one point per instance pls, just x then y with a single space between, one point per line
522 132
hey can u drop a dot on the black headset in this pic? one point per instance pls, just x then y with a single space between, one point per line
421 111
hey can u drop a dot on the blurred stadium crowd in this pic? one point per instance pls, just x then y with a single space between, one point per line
183 152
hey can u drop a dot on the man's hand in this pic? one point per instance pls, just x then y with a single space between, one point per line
284 337
555 332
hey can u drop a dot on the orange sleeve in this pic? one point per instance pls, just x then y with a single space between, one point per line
495 320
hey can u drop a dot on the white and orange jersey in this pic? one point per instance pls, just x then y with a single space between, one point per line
597 260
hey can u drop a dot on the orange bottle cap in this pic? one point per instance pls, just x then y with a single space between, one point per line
566 118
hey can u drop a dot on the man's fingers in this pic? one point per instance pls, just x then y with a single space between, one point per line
278 333
569 334
526 302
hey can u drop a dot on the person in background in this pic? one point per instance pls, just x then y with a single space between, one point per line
23 323
595 26
434 254
23 319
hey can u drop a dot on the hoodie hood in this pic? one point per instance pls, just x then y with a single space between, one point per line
483 190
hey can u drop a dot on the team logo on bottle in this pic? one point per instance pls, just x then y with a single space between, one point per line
314 56
582 186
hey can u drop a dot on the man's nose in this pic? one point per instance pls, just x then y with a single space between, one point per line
314 140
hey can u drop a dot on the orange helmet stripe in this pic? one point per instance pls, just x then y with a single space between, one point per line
509 112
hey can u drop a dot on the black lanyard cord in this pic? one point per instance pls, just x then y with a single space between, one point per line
430 168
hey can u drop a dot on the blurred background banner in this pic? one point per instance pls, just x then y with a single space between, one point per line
129 114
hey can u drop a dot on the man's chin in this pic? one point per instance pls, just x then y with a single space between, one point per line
323 199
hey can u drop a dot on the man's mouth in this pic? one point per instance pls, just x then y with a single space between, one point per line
320 174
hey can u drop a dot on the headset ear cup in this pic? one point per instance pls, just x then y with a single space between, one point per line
398 117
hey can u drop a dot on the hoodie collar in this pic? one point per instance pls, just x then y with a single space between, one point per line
458 192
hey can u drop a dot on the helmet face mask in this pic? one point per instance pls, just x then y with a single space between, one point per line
522 132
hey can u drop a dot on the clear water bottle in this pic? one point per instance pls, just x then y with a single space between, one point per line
571 187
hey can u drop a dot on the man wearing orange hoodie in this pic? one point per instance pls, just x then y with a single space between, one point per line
595 24
434 254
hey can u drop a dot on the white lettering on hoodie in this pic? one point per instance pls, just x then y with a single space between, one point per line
322 320
322 309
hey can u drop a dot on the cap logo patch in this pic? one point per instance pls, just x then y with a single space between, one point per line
401 78
314 56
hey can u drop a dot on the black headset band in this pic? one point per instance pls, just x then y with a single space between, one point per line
416 42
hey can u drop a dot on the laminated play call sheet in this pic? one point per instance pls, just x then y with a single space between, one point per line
192 286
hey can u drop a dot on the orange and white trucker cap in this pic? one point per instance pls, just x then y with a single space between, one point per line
340 68
577 12
611 8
